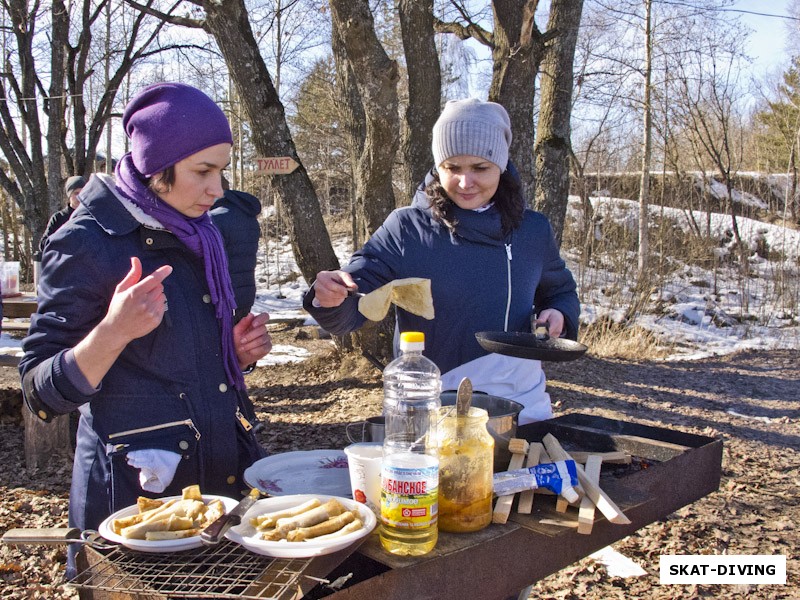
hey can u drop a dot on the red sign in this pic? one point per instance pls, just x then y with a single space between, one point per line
276 165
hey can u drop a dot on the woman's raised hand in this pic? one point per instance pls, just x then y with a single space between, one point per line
136 308
331 287
138 304
251 339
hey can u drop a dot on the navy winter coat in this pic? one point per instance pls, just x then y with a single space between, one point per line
167 390
481 280
236 217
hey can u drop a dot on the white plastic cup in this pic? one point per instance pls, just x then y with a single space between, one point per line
364 460
9 278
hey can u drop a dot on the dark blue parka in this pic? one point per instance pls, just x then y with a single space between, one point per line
481 278
167 390
236 217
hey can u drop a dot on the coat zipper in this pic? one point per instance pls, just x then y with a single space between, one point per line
246 425
187 422
508 301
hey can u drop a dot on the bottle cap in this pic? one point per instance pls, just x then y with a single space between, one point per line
412 340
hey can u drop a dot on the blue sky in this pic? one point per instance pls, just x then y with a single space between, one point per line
768 42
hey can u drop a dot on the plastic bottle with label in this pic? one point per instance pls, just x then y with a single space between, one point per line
410 469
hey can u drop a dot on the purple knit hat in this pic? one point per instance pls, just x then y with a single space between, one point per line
168 122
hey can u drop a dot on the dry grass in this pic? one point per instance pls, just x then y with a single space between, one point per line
606 339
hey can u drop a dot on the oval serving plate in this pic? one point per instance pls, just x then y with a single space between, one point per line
160 545
301 472
246 535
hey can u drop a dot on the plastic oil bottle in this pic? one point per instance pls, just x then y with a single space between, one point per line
410 468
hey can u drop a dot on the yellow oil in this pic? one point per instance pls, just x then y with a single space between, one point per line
461 517
466 456
401 533
407 542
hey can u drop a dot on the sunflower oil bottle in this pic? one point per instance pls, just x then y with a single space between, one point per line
410 469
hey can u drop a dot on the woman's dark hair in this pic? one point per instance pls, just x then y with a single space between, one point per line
508 199
162 182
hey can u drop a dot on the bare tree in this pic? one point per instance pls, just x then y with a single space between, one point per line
709 114
36 162
227 21
518 48
424 87
552 148
354 120
376 77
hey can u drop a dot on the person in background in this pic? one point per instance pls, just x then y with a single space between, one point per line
236 216
72 188
135 320
491 262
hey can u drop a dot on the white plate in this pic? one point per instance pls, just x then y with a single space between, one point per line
246 535
301 472
160 545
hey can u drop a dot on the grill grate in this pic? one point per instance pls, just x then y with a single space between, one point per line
224 571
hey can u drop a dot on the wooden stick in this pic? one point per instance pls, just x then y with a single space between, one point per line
559 522
525 505
586 511
616 457
502 508
562 504
611 511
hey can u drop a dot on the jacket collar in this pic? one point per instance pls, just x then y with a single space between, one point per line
247 203
483 227
116 218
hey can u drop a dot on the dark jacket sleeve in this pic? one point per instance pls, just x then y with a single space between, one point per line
71 303
339 320
371 267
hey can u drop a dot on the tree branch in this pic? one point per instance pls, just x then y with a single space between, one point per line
170 18
471 30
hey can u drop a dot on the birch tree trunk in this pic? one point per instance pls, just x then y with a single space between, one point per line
644 186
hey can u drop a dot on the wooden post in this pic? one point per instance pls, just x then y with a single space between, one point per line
44 441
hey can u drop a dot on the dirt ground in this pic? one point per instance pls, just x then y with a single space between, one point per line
748 399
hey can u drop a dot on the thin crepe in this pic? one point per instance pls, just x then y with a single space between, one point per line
412 294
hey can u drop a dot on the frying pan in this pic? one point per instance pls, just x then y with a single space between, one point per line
530 345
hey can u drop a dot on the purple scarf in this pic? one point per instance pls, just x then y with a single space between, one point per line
204 240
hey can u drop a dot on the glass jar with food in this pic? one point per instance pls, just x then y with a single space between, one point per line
466 454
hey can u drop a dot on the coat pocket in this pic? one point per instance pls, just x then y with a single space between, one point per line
181 437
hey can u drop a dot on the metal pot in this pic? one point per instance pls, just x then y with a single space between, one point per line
371 429
502 425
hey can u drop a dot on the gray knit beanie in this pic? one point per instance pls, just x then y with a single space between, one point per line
76 182
475 128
